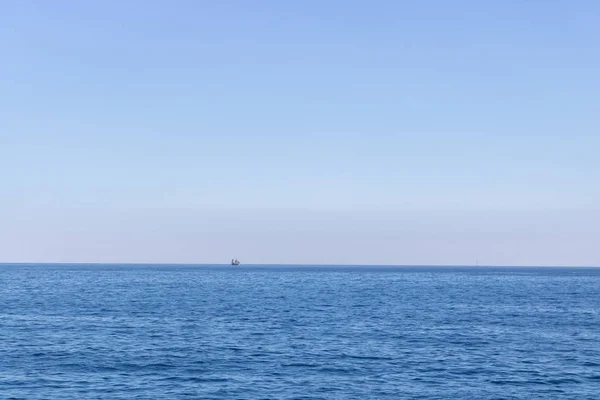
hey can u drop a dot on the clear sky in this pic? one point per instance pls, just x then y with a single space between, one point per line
379 132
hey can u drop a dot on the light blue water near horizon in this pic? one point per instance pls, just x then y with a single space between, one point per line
298 332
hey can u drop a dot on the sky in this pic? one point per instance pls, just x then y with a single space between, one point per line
324 132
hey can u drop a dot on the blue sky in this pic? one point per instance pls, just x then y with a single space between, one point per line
384 132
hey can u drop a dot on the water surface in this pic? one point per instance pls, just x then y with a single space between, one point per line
293 332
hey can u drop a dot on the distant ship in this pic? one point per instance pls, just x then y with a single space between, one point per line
235 261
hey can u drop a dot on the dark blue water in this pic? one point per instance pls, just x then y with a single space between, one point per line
177 332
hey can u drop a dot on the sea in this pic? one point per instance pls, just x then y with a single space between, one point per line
298 332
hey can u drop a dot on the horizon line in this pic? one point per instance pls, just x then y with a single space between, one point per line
292 264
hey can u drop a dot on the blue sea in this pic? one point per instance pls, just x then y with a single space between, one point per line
298 332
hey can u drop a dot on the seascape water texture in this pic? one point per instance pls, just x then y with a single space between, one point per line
285 332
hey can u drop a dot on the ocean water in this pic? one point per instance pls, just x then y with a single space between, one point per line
293 332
